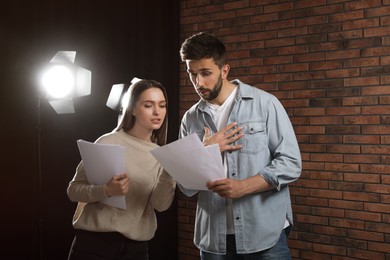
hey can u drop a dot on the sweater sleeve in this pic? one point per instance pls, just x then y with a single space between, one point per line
163 193
79 190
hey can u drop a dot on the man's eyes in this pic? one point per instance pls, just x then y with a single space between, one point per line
203 74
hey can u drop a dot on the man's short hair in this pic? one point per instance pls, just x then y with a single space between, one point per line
204 45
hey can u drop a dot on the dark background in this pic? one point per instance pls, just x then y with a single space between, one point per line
116 41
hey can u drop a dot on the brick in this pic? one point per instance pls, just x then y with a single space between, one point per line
384 101
362 23
362 139
295 49
359 196
342 148
362 120
379 247
324 175
293 86
291 32
293 14
348 242
324 102
362 4
235 5
344 129
311 201
386 180
342 73
326 194
327 83
329 249
309 57
314 255
300 244
365 235
278 25
329 212
314 75
377 188
326 139
327 230
344 204
362 62
344 111
378 31
243 12
316 238
325 65
311 219
347 223
309 130
365 254
343 35
340 92
326 9
345 186
377 207
360 158
362 177
376 129
327 28
311 38
378 70
363 215
326 120
293 67
353 101
264 18
377 90
327 157
345 167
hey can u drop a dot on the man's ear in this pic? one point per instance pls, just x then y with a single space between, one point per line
225 71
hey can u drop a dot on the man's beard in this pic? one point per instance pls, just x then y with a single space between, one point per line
216 90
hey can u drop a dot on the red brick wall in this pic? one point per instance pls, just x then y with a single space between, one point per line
328 61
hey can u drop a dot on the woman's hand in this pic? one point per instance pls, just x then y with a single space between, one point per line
117 186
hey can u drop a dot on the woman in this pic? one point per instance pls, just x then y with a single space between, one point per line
105 232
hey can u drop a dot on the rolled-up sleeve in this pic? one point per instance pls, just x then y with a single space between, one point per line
286 164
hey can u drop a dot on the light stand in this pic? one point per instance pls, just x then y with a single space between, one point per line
52 82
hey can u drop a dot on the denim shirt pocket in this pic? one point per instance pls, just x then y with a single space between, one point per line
199 132
255 137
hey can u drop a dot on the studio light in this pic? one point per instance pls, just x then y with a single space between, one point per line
117 97
62 81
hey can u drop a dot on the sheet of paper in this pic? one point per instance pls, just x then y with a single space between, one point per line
101 163
190 162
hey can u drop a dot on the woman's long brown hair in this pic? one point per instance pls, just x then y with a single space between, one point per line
159 136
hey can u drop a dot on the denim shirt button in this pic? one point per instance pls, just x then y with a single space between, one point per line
237 218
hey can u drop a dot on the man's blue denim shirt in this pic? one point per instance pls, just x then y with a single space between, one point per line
270 149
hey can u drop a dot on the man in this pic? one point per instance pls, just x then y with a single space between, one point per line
248 214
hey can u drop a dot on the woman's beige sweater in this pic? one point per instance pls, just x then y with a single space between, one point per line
150 188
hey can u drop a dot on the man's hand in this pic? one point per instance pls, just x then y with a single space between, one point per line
117 186
233 189
224 137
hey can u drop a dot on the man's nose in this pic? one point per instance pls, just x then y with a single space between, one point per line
199 81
